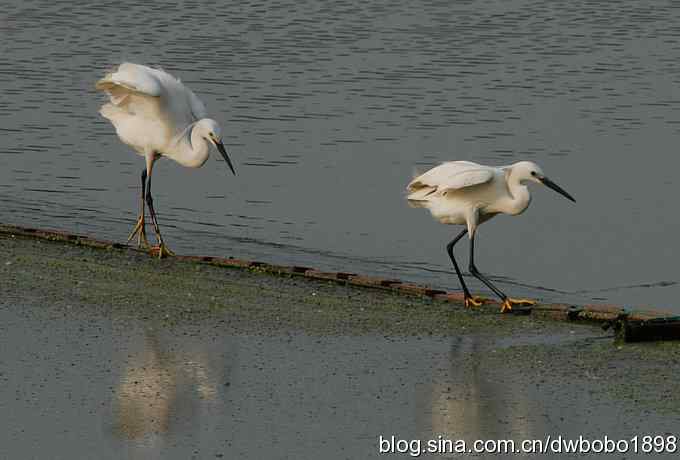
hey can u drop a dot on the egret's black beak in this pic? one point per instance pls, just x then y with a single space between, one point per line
220 147
548 183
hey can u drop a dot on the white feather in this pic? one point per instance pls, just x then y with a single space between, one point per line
153 111
467 193
452 175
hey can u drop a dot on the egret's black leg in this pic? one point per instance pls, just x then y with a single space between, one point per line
140 229
162 249
449 249
474 272
143 211
143 184
508 303
469 299
152 212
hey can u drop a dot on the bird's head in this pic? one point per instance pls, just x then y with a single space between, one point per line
530 171
212 132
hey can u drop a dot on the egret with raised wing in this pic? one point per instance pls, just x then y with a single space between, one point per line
467 193
158 116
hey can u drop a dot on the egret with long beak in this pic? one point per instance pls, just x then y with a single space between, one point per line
466 193
156 115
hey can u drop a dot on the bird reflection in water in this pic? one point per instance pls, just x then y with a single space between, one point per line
467 402
158 388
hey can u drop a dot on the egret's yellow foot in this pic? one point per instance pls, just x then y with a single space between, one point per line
474 301
509 303
161 251
140 232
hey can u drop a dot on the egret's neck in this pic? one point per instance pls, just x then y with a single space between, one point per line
192 148
520 196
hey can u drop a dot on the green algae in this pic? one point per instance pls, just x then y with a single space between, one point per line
132 283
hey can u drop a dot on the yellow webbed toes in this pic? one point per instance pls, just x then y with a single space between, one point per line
474 302
140 232
509 303
523 302
161 251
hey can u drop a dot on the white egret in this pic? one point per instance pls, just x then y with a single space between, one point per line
156 115
466 193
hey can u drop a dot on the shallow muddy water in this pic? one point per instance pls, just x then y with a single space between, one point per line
124 388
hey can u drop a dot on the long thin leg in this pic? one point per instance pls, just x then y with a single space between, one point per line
162 248
449 249
469 299
140 229
474 272
143 188
507 302
152 212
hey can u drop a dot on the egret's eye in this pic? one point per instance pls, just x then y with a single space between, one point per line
533 173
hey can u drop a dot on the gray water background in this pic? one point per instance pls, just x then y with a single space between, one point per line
329 108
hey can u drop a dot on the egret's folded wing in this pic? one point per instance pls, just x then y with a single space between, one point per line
453 175
467 179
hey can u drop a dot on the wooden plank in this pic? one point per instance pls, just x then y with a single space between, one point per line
648 330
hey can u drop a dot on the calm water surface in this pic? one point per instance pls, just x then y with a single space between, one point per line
106 387
329 108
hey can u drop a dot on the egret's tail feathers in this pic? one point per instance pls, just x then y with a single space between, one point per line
132 78
105 83
110 83
418 204
418 198
117 92
129 79
416 183
109 111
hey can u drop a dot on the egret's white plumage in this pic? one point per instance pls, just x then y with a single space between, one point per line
158 116
467 193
